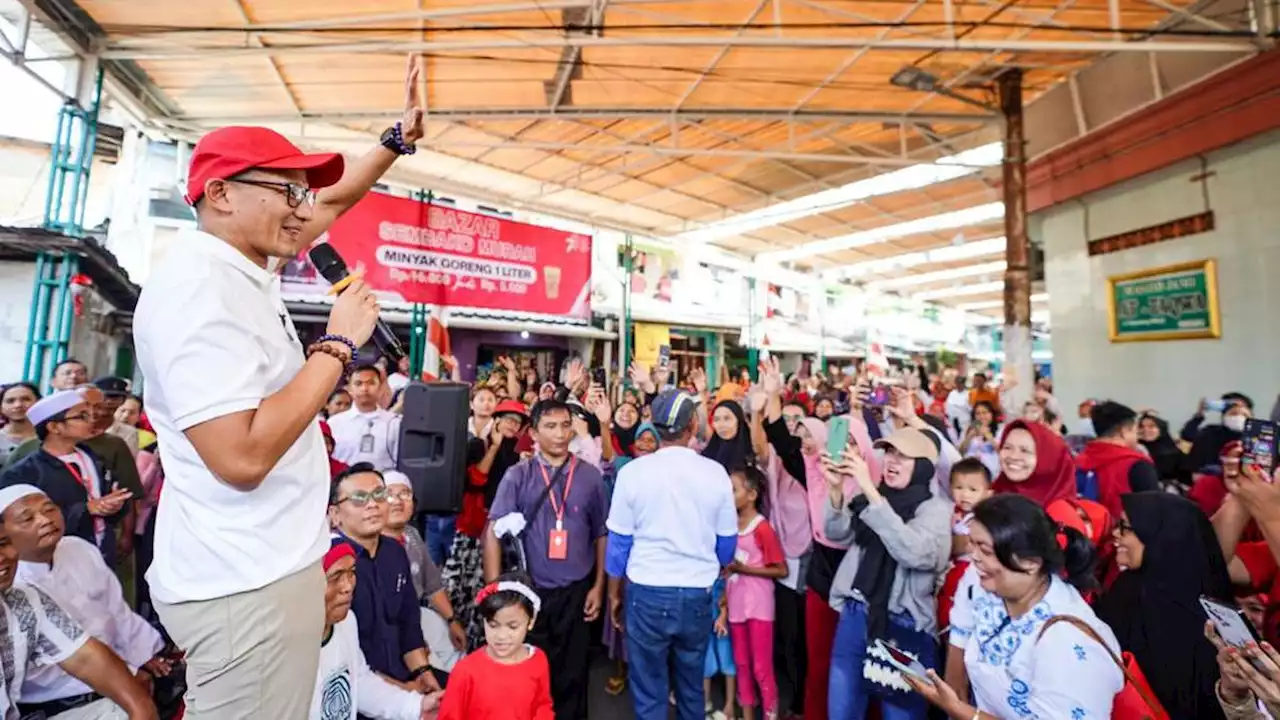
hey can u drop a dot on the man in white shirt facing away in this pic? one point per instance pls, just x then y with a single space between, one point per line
73 573
39 633
672 527
366 433
234 399
345 684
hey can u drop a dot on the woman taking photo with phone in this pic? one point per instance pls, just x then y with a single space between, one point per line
900 535
1030 643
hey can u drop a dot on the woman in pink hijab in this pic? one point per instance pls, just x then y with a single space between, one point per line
797 494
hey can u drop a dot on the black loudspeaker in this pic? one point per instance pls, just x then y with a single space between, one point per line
433 444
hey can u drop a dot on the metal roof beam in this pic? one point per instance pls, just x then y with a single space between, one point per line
117 51
618 149
618 113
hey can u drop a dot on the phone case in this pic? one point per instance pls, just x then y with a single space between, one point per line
1232 626
838 437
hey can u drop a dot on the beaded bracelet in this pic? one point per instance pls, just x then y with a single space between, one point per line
397 133
319 346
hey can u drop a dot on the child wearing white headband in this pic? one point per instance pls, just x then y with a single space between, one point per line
506 679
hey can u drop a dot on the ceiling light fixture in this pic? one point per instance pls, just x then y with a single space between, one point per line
950 253
940 275
910 178
960 291
914 78
933 223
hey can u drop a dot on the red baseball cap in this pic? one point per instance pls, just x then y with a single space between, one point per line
229 151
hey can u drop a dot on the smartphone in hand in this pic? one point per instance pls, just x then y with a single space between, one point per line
837 436
1232 626
664 356
903 662
1259 441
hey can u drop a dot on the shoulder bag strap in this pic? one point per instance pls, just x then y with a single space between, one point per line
1088 630
542 498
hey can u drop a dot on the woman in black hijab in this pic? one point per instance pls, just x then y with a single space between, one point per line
1153 433
730 443
1171 557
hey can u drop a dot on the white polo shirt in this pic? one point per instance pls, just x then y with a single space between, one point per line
372 437
673 504
213 338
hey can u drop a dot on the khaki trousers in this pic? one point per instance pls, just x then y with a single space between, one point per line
253 655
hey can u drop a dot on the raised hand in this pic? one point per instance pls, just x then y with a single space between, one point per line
771 377
411 122
699 380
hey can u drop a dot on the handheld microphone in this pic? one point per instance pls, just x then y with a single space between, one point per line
333 268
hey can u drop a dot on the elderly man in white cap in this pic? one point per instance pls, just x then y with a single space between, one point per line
39 633
441 628
69 472
73 573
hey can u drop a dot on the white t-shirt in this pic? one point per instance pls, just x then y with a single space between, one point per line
213 339
82 584
345 685
673 503
40 634
1064 675
372 437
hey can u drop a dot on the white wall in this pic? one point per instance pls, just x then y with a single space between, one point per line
16 280
1244 193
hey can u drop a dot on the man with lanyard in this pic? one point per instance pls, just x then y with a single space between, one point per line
366 433
672 527
114 455
234 398
71 474
559 502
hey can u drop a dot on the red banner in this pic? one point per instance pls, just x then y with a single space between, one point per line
422 253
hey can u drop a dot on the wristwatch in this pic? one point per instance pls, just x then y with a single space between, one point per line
393 140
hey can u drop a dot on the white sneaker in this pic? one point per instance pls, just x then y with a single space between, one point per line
719 715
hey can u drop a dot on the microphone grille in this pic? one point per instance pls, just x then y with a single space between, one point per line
328 262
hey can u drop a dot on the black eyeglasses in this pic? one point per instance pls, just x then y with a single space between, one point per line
295 195
82 417
1123 527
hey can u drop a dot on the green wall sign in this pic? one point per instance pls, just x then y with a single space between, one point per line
1176 302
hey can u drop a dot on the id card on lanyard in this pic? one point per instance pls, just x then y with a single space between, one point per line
558 542
366 440
82 477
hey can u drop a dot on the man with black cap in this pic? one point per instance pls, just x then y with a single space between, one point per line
672 527
235 401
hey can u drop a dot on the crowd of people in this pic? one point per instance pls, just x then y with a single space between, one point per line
782 534
239 543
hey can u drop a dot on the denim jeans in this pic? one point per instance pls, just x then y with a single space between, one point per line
667 630
438 531
849 694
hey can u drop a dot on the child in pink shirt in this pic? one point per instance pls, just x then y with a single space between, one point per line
759 561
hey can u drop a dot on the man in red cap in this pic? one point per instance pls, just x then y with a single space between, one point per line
234 399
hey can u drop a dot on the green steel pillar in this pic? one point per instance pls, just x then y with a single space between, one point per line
624 335
418 316
71 163
753 348
51 300
417 339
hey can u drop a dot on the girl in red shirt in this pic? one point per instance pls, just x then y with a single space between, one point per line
506 679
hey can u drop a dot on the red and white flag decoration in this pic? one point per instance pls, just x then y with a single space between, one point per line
437 347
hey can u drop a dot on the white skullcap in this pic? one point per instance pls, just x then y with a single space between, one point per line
62 401
14 493
395 477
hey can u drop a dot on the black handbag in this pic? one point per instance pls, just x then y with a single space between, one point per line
514 558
